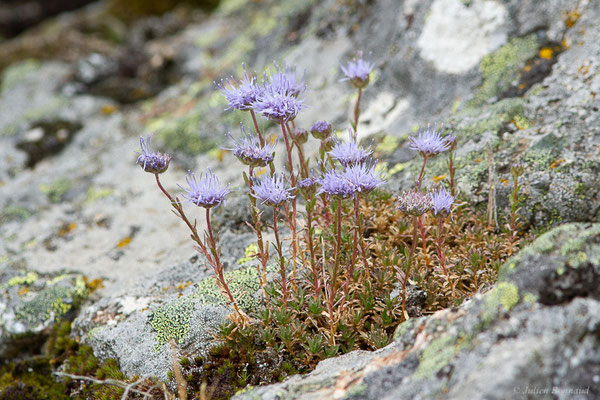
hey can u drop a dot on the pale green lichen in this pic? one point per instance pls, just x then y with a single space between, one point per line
94 194
574 242
530 298
28 279
56 191
18 72
403 328
500 67
436 356
504 296
172 321
388 144
249 254
15 213
54 301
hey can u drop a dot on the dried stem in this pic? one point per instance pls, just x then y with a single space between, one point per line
129 387
181 383
491 207
263 253
452 173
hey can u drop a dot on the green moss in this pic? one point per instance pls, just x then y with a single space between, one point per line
436 356
54 301
500 67
172 321
56 191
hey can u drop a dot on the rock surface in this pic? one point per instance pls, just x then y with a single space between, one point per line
534 334
522 76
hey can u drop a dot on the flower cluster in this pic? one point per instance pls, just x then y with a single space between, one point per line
442 202
350 152
334 183
414 203
429 143
155 163
207 191
272 190
358 71
249 150
321 130
240 95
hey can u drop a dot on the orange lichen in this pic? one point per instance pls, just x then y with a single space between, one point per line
124 243
546 53
556 163
571 17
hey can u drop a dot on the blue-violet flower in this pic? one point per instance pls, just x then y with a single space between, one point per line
336 184
272 190
249 151
242 94
414 203
277 106
364 176
349 153
442 202
358 71
205 192
321 130
285 81
430 143
155 163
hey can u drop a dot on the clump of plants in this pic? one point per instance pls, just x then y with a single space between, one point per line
358 260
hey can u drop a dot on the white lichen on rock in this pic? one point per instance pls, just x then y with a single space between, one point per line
457 36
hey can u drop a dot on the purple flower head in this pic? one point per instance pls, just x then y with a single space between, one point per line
414 203
205 192
364 176
277 106
272 190
308 186
442 202
285 81
336 184
242 94
358 71
155 163
349 153
300 135
249 151
430 143
321 130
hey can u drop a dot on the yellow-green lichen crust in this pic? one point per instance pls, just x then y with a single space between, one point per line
172 321
436 356
59 296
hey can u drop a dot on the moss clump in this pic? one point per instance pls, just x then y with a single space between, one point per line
500 67
60 296
436 356
172 321
56 191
